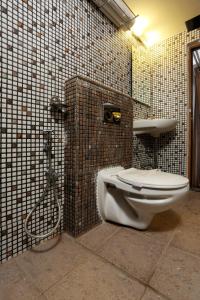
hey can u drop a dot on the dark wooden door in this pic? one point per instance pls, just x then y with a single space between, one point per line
196 132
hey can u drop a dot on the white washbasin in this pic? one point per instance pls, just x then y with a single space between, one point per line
154 127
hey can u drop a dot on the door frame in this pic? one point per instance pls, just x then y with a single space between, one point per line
190 48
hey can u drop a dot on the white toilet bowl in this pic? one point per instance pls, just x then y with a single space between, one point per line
132 197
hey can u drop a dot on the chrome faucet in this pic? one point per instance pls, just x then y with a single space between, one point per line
57 105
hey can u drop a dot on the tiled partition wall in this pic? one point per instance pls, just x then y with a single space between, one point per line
43 43
92 145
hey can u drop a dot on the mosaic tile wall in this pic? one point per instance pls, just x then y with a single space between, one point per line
43 43
143 148
169 80
92 145
170 98
141 74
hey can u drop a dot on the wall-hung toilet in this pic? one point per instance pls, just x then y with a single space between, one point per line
132 197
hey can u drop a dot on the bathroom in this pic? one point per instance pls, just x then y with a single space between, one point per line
99 150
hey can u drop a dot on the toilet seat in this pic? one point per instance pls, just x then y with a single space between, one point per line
154 179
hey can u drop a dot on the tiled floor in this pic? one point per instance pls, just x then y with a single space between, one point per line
114 263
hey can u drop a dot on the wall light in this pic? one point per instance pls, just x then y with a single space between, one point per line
150 38
139 26
122 16
139 30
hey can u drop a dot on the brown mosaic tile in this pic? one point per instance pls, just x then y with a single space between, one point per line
92 145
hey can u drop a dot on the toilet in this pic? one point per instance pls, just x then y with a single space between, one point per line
133 197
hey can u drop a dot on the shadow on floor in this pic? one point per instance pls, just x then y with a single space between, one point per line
165 221
45 247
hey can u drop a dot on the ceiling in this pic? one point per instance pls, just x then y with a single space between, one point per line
166 17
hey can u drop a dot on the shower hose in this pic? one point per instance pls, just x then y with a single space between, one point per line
52 178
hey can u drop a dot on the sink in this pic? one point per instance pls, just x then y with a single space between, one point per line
154 127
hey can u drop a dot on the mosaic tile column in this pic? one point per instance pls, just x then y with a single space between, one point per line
90 146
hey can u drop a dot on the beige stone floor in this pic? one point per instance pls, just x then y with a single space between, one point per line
113 262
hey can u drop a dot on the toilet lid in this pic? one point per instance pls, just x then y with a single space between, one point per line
152 178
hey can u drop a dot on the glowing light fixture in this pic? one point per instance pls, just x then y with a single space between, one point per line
139 26
123 17
139 30
151 38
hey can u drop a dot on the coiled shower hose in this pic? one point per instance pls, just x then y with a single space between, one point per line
52 178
